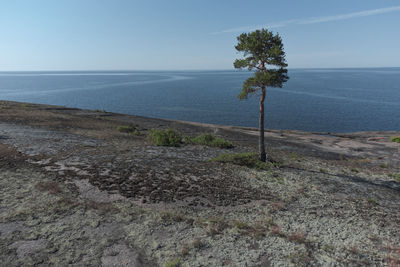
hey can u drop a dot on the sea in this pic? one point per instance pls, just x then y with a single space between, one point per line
317 100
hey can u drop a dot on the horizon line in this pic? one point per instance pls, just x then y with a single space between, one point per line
241 70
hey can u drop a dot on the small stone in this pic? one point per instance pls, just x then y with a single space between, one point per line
95 224
33 222
156 245
32 236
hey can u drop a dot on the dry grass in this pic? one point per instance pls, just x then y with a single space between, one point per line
353 249
49 186
297 237
213 226
197 243
277 206
171 216
102 208
393 255
276 231
239 225
185 250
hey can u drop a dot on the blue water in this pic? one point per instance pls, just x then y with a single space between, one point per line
325 100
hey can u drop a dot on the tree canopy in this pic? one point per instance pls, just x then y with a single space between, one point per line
260 49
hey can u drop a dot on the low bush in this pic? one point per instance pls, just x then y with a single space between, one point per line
207 139
395 139
248 159
128 129
165 137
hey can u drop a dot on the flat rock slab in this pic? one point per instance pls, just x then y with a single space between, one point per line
121 255
35 141
90 192
26 247
8 228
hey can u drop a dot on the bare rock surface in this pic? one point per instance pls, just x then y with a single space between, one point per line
36 141
26 247
121 255
75 191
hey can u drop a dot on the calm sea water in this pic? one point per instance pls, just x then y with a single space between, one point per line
325 100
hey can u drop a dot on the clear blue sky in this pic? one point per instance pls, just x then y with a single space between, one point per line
185 34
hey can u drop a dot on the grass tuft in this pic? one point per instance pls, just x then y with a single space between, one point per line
128 130
207 139
173 263
197 243
276 231
185 250
297 237
165 137
395 176
372 201
384 165
248 159
240 225
168 216
213 226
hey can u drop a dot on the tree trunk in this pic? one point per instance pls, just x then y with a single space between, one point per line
263 155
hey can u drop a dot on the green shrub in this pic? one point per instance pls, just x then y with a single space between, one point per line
207 139
165 137
384 165
395 139
128 129
248 159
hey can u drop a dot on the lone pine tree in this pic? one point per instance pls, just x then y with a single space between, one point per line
261 49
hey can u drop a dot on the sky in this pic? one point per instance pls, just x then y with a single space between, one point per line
193 35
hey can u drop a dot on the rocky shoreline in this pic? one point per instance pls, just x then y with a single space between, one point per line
74 190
